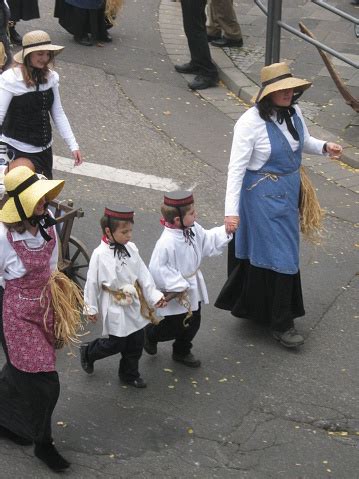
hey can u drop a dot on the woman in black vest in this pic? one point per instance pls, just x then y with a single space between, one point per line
29 96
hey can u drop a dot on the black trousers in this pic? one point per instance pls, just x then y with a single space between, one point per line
194 23
172 327
27 400
130 347
41 160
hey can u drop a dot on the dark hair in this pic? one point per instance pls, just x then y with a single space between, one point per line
112 223
27 71
169 213
266 108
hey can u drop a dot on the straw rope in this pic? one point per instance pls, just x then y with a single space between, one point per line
112 8
311 214
68 303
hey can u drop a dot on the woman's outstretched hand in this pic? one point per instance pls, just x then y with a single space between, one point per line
334 150
231 223
77 157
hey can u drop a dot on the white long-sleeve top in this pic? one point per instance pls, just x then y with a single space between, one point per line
175 263
11 266
12 84
251 149
107 269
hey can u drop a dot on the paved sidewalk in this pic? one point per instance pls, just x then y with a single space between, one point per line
326 112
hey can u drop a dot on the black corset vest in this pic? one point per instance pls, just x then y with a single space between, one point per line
28 118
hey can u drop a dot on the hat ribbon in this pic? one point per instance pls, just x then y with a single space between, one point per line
188 235
38 44
18 190
273 80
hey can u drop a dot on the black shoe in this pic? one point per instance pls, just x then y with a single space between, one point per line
84 41
227 42
19 440
136 383
15 37
187 68
86 365
290 338
201 83
106 38
149 346
188 360
212 38
51 457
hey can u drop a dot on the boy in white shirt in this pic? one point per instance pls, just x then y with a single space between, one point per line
119 288
174 265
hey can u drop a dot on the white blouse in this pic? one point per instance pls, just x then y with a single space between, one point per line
12 84
251 149
114 273
175 263
11 266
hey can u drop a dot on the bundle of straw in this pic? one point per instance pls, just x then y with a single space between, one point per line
311 214
68 303
112 8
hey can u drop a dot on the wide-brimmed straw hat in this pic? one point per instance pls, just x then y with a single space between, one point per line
36 41
25 190
277 77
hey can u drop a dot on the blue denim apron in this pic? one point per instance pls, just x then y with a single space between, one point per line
268 234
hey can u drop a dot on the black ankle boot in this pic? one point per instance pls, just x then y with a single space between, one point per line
51 457
15 37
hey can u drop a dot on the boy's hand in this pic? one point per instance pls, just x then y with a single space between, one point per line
231 223
161 303
92 317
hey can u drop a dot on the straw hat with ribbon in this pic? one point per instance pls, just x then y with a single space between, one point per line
277 77
37 40
25 190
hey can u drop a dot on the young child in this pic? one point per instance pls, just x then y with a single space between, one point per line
118 289
174 265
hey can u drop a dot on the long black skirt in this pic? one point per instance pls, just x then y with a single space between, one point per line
23 9
27 400
269 298
81 21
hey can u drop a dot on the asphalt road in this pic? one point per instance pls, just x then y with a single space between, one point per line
253 410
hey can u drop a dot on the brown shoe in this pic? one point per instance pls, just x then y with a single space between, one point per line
188 360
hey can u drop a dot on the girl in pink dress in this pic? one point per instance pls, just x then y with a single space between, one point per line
29 383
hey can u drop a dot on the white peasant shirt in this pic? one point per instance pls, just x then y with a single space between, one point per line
251 149
115 273
175 263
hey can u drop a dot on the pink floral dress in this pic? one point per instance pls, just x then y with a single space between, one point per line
29 341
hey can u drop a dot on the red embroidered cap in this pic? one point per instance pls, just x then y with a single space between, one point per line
122 212
178 198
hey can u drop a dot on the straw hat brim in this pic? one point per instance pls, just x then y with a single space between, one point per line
19 57
292 82
29 199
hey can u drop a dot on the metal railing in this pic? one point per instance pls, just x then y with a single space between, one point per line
275 24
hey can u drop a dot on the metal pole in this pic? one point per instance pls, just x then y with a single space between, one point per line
277 16
269 33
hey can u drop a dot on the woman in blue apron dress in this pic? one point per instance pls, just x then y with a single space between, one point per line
263 195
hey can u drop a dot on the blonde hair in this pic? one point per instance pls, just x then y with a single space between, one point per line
111 9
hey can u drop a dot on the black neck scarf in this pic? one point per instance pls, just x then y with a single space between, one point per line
285 114
188 235
43 222
119 249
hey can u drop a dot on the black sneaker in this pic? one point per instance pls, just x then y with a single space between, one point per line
187 68
86 365
149 346
290 338
202 82
188 360
136 383
51 457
